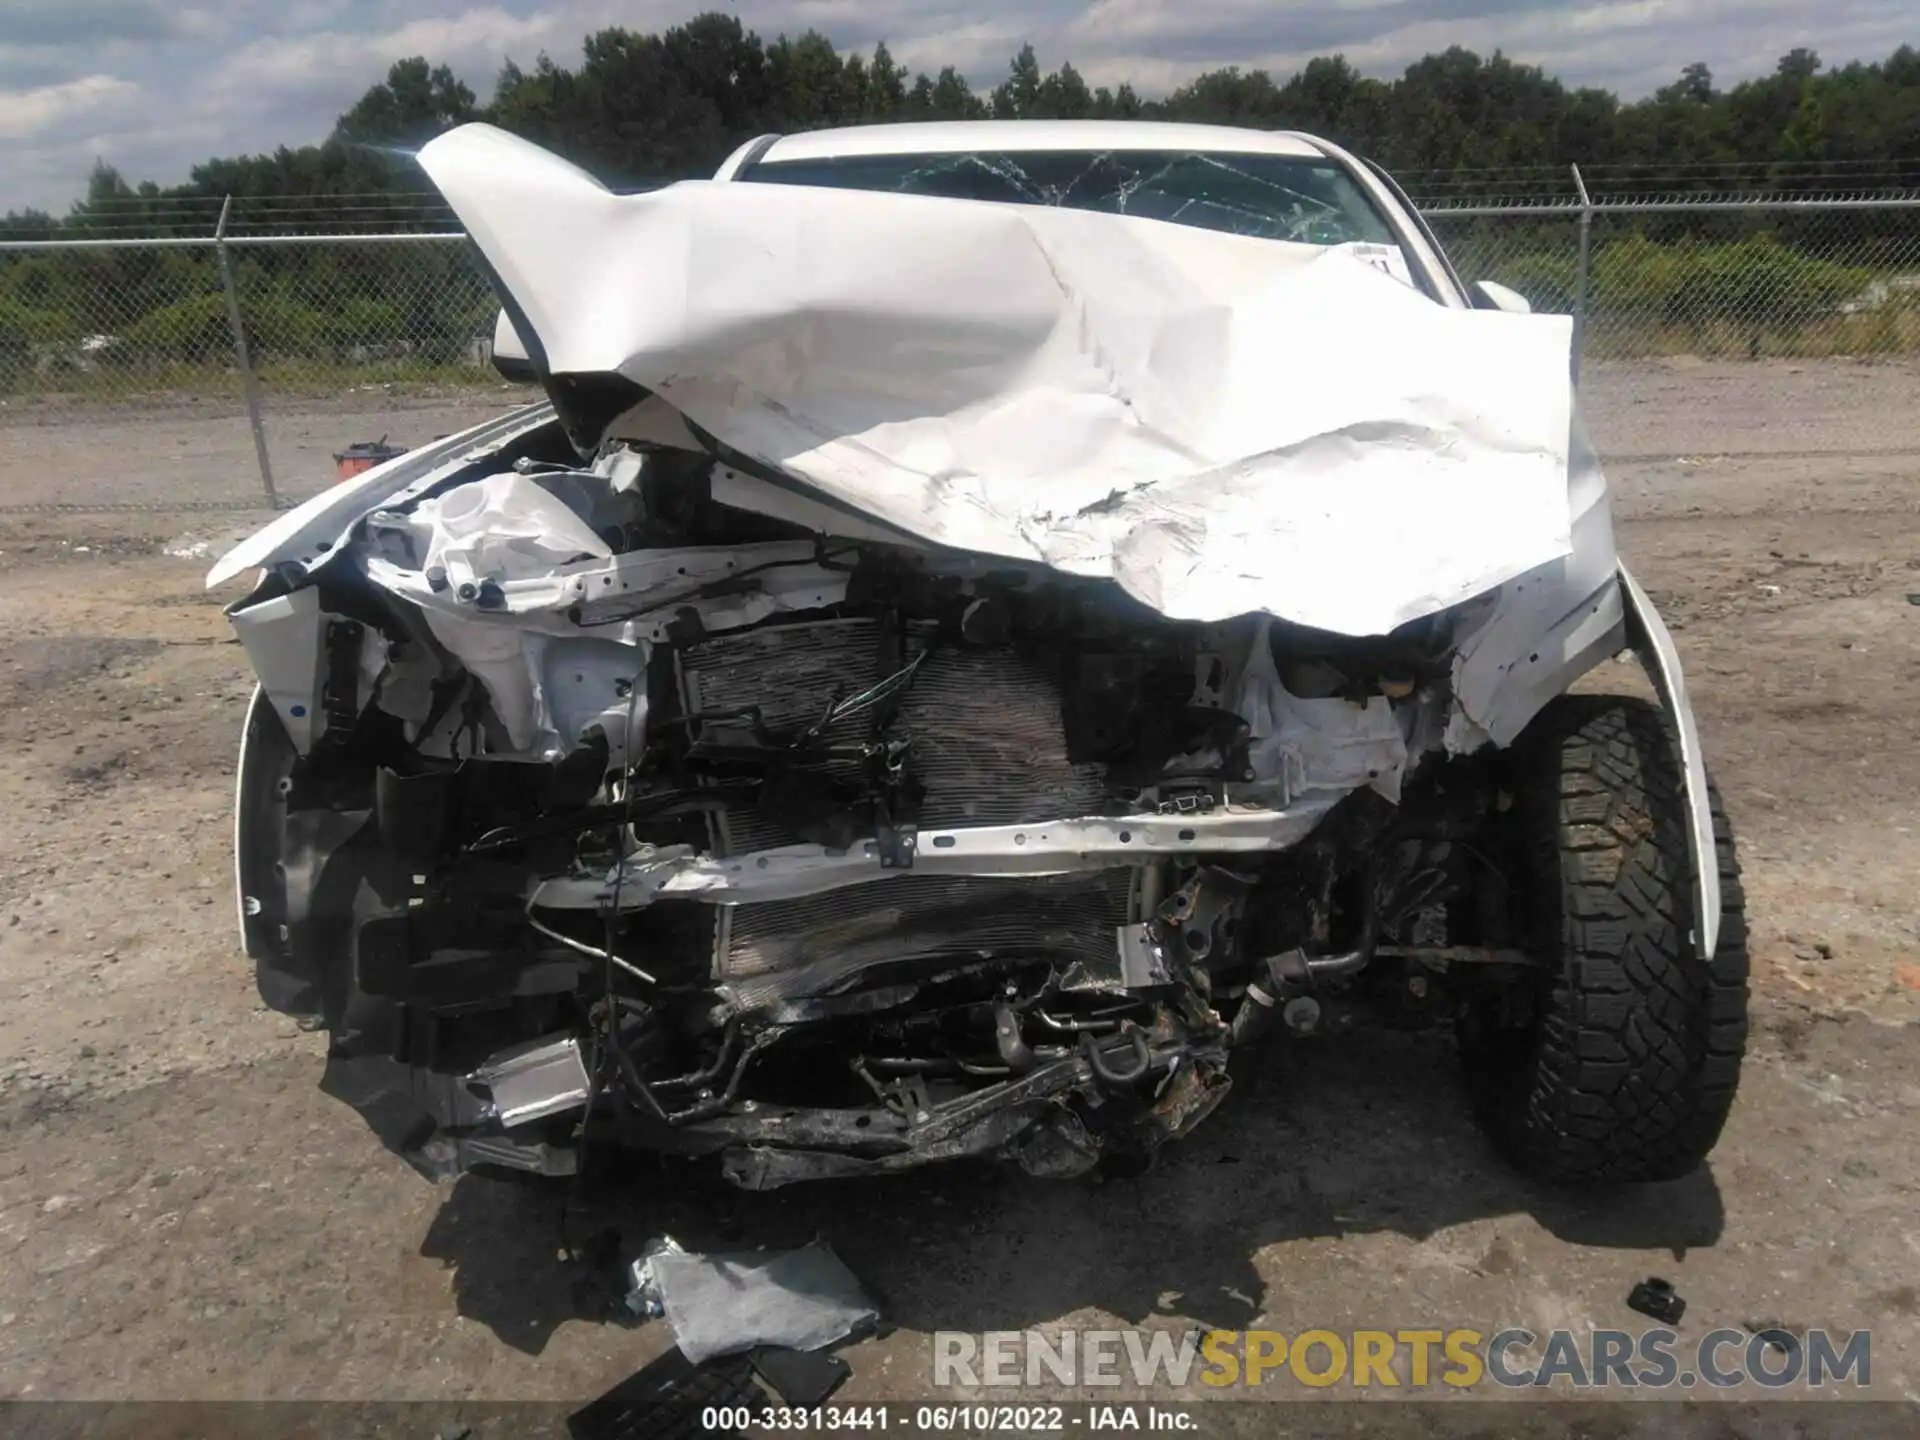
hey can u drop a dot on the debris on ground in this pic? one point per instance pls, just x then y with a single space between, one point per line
1775 1335
664 1400
802 1299
643 1286
190 546
801 1378
670 1396
201 544
1658 1299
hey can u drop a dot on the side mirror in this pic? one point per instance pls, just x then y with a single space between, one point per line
1490 295
510 353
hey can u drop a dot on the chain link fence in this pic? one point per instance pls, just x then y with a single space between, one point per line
362 312
249 359
1798 280
228 371
114 322
1731 327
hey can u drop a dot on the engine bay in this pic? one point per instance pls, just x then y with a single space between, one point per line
634 799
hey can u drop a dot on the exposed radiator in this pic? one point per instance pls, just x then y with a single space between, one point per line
988 743
989 747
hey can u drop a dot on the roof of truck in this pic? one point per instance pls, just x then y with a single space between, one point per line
937 137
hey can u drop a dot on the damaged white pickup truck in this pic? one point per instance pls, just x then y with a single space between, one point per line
993 620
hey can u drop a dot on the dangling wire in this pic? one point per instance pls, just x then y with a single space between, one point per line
609 1045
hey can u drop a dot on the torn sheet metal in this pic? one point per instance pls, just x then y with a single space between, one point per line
1531 639
315 668
1221 424
311 533
535 1080
1301 745
1143 961
642 1298
515 580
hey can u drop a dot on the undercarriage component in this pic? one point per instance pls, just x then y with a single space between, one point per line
1023 1119
786 949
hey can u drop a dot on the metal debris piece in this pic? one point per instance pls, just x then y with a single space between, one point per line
720 1304
803 1379
1142 962
1775 1335
466 1151
1657 1298
531 1082
666 1400
643 1286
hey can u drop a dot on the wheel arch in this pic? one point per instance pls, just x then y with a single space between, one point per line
1652 644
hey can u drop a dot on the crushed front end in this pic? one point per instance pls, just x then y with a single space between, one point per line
856 725
579 802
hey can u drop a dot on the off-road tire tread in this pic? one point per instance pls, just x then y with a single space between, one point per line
1633 1059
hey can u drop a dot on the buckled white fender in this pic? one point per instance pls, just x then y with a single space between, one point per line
1653 644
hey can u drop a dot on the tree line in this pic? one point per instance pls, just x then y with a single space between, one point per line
644 109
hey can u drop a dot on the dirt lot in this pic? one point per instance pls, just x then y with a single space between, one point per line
183 1214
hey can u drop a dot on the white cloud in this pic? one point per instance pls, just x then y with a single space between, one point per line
27 113
980 50
158 85
330 58
283 76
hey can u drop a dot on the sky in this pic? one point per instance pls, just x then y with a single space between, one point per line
154 86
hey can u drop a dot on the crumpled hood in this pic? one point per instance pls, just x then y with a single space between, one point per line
1220 424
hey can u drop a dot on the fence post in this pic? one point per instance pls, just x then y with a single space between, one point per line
1580 272
247 381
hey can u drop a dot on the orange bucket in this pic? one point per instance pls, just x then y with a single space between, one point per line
363 455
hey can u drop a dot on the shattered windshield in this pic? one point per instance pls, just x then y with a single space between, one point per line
1274 197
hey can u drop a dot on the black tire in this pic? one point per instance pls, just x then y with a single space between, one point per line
1620 1059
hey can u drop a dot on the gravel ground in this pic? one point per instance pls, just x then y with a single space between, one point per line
184 1215
199 451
